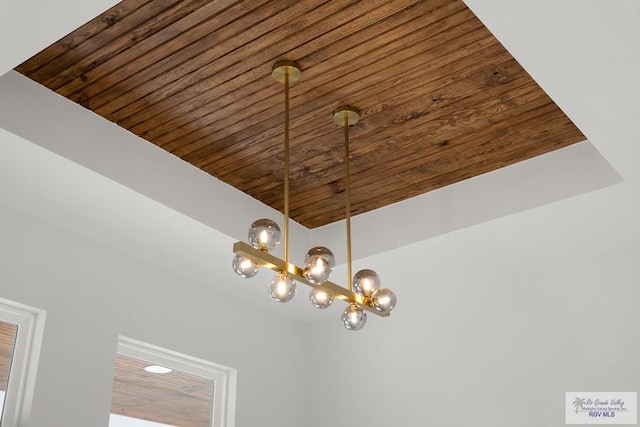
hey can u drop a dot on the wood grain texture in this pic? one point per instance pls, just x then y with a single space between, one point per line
8 333
441 99
176 398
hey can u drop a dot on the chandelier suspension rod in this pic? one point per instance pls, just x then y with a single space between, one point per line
286 167
347 185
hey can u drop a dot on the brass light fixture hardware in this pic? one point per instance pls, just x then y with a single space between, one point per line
363 292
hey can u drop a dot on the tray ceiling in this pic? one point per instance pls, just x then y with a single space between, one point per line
441 99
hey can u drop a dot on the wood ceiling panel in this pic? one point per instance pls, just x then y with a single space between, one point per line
176 398
441 99
8 333
312 106
391 117
239 112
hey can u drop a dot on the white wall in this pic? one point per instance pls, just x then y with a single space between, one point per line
505 314
93 293
494 324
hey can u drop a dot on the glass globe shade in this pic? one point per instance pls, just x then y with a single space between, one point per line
244 267
264 234
354 318
365 282
322 252
318 264
383 300
316 270
320 298
282 288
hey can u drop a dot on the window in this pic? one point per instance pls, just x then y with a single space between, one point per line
156 387
21 329
8 333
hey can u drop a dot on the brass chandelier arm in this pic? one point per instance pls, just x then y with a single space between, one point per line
347 188
347 116
276 264
286 72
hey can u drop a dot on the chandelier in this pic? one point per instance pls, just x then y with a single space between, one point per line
363 292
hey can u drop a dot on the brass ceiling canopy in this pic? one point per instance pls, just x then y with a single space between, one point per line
283 70
352 115
364 291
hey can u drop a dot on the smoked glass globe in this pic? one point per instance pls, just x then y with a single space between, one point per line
320 298
282 288
244 267
383 300
365 282
264 234
318 264
354 318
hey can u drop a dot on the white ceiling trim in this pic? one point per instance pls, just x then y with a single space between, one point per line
89 140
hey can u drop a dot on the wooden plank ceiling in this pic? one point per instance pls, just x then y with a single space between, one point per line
176 398
441 99
8 332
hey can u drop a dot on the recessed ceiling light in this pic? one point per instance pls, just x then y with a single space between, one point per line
156 369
